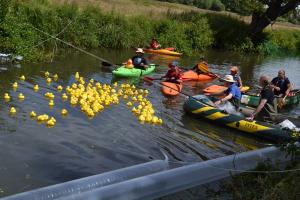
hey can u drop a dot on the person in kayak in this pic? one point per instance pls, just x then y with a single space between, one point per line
234 72
267 105
154 44
138 60
233 93
174 73
281 84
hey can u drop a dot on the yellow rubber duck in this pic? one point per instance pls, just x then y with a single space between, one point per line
48 80
59 88
129 104
55 77
51 122
32 114
36 88
64 112
51 103
12 110
15 85
6 97
47 74
22 78
64 97
21 97
77 75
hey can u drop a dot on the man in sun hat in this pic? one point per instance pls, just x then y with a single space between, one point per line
233 93
138 60
234 72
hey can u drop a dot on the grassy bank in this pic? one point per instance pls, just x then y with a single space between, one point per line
91 27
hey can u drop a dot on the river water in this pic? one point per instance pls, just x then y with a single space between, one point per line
32 155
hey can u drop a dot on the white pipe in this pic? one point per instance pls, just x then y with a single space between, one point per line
63 190
171 181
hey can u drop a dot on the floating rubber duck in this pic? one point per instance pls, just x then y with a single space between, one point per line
22 78
51 122
64 112
77 75
129 104
59 88
47 74
12 110
21 97
36 88
6 97
64 97
55 77
32 114
15 86
51 103
48 80
155 120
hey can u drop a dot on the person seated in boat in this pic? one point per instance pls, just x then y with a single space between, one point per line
198 68
281 84
233 93
174 73
267 105
138 60
154 44
234 72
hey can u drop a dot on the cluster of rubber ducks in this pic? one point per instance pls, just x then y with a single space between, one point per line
92 97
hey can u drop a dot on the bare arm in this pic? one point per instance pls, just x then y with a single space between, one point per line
290 87
229 96
258 109
240 82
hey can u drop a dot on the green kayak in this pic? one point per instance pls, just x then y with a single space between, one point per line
125 72
253 99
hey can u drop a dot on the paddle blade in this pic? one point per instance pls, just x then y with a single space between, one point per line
203 67
148 79
280 103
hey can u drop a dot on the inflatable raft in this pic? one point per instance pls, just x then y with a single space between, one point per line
253 99
199 106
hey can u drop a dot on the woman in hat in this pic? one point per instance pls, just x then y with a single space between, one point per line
138 60
233 93
174 74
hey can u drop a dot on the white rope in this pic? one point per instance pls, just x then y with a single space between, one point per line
71 45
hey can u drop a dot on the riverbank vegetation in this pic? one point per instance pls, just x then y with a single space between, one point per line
24 23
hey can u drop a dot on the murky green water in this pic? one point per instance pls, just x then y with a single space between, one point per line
33 156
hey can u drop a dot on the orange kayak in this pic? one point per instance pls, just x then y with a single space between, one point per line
162 51
218 88
171 89
193 76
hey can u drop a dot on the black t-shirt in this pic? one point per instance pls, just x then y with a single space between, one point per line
267 93
138 60
282 84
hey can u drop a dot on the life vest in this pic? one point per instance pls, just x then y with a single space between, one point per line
137 61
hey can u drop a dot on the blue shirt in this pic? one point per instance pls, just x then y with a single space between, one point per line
235 91
236 78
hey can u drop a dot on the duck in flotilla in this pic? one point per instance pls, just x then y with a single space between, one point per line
36 88
6 97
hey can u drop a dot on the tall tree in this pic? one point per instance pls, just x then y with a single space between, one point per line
261 18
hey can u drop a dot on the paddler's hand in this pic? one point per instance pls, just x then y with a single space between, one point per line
218 102
251 118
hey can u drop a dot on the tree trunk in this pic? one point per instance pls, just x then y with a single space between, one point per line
261 20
